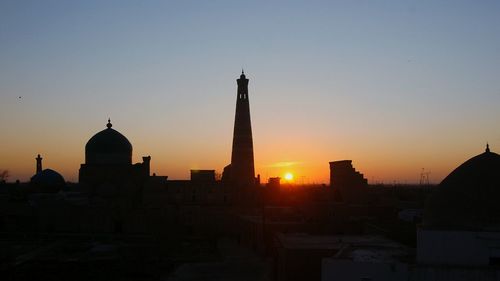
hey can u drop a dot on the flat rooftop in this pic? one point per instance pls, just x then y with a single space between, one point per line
360 248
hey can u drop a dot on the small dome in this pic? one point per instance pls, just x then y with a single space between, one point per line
108 147
48 181
468 197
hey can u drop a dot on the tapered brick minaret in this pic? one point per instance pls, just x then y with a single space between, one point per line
242 166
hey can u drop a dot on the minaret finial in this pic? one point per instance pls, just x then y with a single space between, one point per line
109 125
242 71
487 147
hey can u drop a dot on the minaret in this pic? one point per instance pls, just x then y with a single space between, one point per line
38 164
242 166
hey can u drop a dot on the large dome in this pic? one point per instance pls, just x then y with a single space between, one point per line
468 197
108 147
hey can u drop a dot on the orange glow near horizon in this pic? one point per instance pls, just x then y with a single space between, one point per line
361 91
381 159
274 157
288 177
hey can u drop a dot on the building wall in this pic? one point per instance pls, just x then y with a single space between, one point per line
458 248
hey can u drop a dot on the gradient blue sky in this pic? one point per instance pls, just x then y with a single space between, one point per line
396 86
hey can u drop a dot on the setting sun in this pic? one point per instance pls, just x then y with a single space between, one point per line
288 176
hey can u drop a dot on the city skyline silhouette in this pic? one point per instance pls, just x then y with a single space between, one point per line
390 83
259 140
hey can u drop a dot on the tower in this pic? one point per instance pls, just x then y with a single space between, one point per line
38 164
242 165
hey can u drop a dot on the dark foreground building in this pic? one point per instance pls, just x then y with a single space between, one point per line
460 235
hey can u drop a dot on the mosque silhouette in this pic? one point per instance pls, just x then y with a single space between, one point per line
109 180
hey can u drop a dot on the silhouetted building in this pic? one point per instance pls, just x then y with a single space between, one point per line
46 180
108 163
468 198
460 235
274 182
241 171
349 185
112 181
203 176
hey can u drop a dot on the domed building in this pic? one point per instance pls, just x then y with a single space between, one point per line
460 235
468 198
108 163
108 147
117 188
46 180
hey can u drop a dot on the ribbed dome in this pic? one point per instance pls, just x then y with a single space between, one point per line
48 181
468 198
108 147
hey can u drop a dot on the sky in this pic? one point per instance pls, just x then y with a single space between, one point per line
395 86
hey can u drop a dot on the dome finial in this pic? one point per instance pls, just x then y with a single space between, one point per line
487 147
109 125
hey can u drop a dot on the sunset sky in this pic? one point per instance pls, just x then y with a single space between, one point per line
395 86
